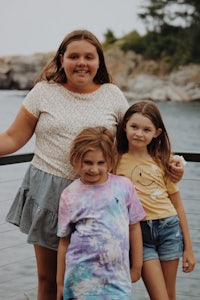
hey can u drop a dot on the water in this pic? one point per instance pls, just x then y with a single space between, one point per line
16 257
182 120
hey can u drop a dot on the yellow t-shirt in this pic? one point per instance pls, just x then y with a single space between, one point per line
151 184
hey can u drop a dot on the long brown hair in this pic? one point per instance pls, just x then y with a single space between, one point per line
160 147
53 71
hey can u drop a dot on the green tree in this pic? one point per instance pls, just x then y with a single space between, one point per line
109 38
157 13
133 41
173 30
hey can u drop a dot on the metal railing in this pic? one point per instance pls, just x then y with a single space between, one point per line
19 158
18 275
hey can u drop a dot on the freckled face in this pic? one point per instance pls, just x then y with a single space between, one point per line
80 63
94 168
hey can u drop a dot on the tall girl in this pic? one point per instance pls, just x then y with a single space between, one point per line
99 216
145 153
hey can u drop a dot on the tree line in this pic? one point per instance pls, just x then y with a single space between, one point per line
172 32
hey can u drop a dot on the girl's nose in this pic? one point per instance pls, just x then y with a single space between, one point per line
81 61
139 132
94 169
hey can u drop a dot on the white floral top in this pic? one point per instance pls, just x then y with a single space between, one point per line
62 114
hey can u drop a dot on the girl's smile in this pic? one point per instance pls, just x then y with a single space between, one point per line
80 63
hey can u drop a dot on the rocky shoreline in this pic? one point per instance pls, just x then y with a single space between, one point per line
139 79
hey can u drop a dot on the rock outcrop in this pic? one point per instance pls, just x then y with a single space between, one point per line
138 78
150 80
19 72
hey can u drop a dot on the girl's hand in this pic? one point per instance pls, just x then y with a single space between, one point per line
177 168
188 261
135 274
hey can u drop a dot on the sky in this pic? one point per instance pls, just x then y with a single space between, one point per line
39 26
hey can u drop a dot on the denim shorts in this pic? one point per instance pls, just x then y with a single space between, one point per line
162 239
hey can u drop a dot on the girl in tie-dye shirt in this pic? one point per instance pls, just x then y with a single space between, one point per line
99 216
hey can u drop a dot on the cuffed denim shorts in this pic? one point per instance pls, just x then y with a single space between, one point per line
162 239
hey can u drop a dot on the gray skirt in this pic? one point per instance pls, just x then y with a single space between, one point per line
35 207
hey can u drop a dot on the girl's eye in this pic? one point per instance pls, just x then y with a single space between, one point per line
101 162
87 162
89 57
72 57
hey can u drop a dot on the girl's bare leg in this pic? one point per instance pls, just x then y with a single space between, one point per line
46 266
160 279
154 280
170 268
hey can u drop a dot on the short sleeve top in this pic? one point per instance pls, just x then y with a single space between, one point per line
97 218
62 114
112 203
152 185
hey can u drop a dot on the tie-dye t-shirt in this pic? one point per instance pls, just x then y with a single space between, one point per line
97 217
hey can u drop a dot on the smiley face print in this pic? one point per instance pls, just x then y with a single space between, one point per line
146 177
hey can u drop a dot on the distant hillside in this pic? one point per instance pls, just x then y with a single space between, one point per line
137 77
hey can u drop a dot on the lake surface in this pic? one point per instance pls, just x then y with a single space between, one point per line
17 263
182 120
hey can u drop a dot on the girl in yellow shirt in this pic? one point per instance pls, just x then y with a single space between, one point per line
145 152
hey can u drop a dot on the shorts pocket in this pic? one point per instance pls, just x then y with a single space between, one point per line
170 222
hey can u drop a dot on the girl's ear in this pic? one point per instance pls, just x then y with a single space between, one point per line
158 132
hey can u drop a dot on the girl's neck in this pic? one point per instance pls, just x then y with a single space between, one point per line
139 152
81 90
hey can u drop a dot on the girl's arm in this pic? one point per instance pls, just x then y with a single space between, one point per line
136 249
177 164
188 261
18 134
62 249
